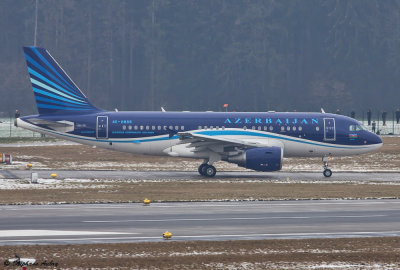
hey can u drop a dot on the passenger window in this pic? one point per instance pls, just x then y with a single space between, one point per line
147 127
282 128
130 127
294 128
153 127
253 127
141 127
211 127
123 127
217 127
176 128
182 127
300 128
223 127
271 128
288 128
135 127
244 127
165 127
265 128
317 128
259 128
159 127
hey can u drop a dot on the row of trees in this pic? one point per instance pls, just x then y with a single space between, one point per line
255 55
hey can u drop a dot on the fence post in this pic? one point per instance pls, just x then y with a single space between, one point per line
10 125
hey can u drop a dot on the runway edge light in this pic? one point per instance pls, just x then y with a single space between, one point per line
53 175
146 202
167 235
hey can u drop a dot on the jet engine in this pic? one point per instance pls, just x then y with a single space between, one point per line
265 159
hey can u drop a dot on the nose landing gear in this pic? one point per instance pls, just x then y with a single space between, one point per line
327 172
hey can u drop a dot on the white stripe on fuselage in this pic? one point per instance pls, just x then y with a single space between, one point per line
156 145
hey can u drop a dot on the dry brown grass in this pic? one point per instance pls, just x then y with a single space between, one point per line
202 191
260 254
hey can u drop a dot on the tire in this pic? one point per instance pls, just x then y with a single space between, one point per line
201 169
327 173
209 171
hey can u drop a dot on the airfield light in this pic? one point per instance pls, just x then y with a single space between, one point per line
146 201
167 235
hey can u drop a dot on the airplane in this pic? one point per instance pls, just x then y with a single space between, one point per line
252 140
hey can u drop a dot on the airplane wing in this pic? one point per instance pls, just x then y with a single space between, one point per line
194 138
223 146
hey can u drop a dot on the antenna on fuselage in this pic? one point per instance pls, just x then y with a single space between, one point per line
322 110
162 109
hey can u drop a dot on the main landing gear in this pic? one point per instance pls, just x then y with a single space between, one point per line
207 170
327 172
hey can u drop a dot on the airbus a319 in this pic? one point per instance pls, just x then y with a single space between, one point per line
258 141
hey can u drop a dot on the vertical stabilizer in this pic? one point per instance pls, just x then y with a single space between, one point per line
54 91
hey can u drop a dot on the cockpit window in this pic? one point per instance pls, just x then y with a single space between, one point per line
363 127
357 127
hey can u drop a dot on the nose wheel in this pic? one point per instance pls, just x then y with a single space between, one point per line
327 172
207 170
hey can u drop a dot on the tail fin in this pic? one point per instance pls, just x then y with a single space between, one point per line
54 91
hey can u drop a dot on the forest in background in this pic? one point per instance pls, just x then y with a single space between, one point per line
255 55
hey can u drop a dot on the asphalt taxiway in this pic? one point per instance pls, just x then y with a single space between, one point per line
191 175
109 223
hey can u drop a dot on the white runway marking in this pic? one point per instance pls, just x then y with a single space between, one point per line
216 219
20 233
289 234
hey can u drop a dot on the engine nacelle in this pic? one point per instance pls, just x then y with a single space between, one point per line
265 159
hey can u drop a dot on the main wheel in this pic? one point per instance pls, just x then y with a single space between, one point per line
209 171
202 168
327 173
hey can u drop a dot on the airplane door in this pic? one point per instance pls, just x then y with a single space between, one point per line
329 129
102 127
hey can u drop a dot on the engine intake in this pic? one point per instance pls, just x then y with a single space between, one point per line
265 159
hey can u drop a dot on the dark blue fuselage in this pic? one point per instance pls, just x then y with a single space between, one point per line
319 127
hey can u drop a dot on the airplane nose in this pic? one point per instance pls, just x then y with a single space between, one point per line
378 139
375 140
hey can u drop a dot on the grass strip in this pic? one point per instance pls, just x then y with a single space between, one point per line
195 191
257 254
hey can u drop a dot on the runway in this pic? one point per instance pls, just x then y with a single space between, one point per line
191 175
111 223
